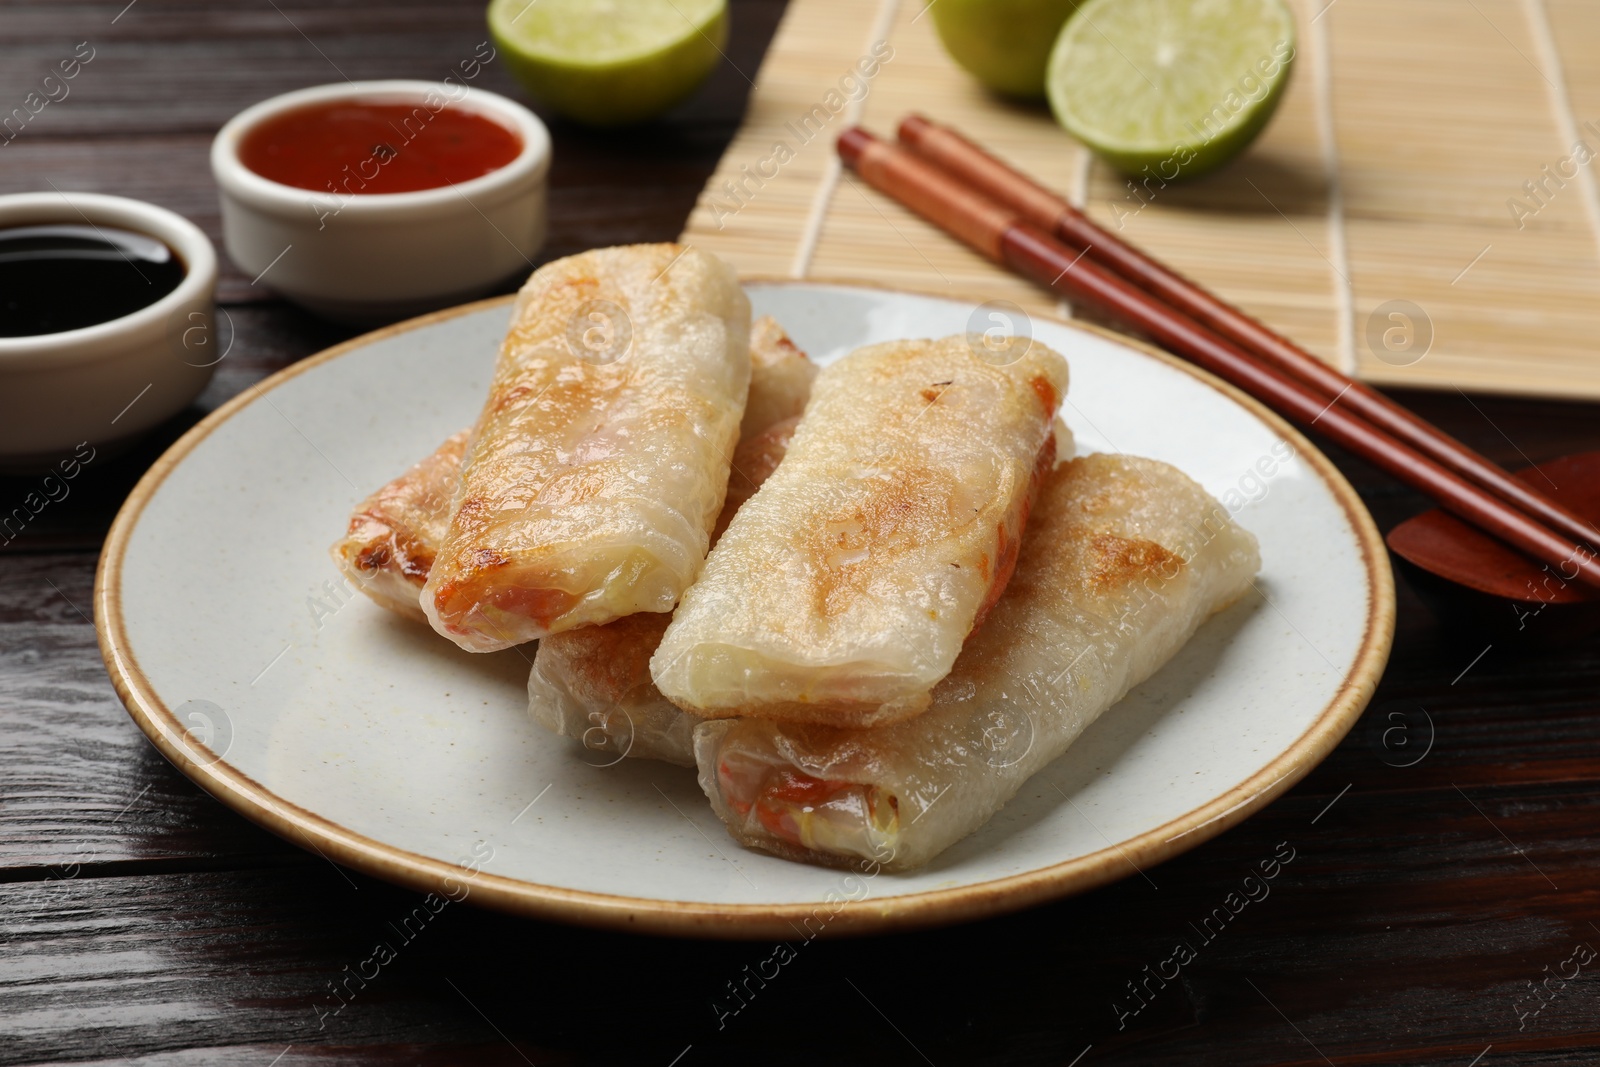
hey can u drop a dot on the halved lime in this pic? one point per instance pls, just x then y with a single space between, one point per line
610 62
1002 43
1169 88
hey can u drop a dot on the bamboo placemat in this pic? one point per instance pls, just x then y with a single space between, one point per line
1396 170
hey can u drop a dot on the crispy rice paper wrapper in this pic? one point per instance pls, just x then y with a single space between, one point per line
599 463
780 378
1124 558
593 683
842 591
598 688
395 533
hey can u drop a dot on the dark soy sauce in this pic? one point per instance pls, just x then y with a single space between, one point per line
55 278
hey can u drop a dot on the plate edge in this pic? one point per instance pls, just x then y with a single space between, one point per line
680 918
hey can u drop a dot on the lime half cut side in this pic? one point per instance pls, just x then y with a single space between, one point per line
1170 88
610 62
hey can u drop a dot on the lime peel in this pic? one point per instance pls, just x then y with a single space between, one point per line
610 62
1005 44
1170 88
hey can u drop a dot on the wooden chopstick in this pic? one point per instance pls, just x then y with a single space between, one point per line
966 161
1004 236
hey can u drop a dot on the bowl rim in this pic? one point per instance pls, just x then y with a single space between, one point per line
187 241
238 181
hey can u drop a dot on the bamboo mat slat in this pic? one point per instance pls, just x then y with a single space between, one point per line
1390 174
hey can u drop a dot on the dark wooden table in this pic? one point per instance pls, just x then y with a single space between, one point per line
1439 909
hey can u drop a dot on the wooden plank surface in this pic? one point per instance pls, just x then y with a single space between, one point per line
143 923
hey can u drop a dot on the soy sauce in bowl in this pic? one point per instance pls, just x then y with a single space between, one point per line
65 277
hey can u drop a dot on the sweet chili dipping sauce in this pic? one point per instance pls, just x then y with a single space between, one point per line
350 146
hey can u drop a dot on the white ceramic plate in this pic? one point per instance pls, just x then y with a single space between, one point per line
369 739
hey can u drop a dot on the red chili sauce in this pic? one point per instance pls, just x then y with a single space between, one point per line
348 147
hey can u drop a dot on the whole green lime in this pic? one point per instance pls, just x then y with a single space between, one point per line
1170 88
610 62
1005 44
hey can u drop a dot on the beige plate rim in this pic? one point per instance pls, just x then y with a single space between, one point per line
695 919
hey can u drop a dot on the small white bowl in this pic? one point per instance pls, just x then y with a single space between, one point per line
368 257
101 384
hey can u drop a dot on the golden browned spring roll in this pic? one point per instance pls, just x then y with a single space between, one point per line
842 591
599 690
780 378
1123 559
598 466
593 683
394 533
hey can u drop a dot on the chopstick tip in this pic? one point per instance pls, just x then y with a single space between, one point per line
913 127
852 143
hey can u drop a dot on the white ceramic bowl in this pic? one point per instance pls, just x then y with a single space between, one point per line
368 257
101 384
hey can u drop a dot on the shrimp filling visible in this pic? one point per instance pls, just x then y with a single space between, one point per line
814 813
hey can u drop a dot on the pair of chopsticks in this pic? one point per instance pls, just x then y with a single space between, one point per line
1019 224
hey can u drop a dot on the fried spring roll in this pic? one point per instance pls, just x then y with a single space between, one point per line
598 466
395 533
842 591
780 378
1124 558
593 683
